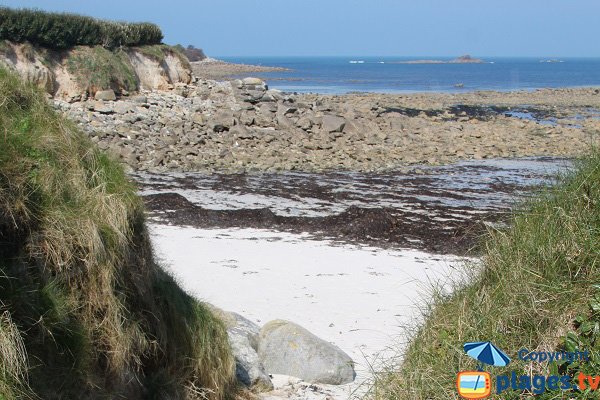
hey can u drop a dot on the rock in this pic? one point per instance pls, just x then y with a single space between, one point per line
102 107
141 99
243 337
248 368
221 122
123 107
252 82
332 123
106 95
288 349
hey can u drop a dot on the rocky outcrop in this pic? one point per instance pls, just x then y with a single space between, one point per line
49 70
288 349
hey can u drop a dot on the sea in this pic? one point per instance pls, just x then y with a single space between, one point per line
338 75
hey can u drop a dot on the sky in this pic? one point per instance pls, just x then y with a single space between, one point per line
550 28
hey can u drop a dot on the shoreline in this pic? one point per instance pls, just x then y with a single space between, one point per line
241 126
215 69
450 91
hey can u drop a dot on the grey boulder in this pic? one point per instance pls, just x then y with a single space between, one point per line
106 95
243 338
333 123
288 349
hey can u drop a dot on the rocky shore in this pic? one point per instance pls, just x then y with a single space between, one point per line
242 126
211 68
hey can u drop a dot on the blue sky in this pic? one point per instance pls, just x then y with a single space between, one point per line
361 27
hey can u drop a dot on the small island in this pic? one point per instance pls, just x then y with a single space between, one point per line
466 59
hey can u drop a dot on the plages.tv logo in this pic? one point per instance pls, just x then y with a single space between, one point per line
478 384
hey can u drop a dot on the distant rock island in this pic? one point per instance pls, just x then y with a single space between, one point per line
466 59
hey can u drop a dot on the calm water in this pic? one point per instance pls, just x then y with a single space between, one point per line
381 74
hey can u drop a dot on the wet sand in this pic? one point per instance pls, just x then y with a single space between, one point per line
443 209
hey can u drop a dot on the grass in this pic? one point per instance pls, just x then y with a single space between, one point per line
96 68
538 289
13 366
86 312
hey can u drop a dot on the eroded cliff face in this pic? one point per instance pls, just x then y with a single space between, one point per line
154 74
59 76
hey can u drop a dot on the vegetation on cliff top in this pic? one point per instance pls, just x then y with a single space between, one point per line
63 30
85 312
539 289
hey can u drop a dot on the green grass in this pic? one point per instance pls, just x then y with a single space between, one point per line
63 30
538 289
85 310
96 68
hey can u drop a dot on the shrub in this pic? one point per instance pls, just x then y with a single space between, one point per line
192 53
62 30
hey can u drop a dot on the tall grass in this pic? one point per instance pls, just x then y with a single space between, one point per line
536 291
13 360
77 272
62 30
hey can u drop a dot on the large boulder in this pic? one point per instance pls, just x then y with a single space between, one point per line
289 349
243 337
106 95
257 82
333 123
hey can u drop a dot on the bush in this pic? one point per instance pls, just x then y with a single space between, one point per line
62 31
192 53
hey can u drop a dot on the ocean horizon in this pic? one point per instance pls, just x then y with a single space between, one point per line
346 74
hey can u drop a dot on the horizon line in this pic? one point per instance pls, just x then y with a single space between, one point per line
403 56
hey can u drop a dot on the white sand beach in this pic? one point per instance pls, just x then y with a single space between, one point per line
359 298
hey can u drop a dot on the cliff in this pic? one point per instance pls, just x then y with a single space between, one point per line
81 71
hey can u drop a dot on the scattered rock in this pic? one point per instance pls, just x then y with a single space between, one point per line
332 123
237 127
287 348
102 107
106 95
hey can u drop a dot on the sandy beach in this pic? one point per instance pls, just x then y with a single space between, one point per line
219 236
362 299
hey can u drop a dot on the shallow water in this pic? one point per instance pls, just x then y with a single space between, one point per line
335 75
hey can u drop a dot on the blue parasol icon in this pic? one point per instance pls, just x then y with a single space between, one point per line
487 353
